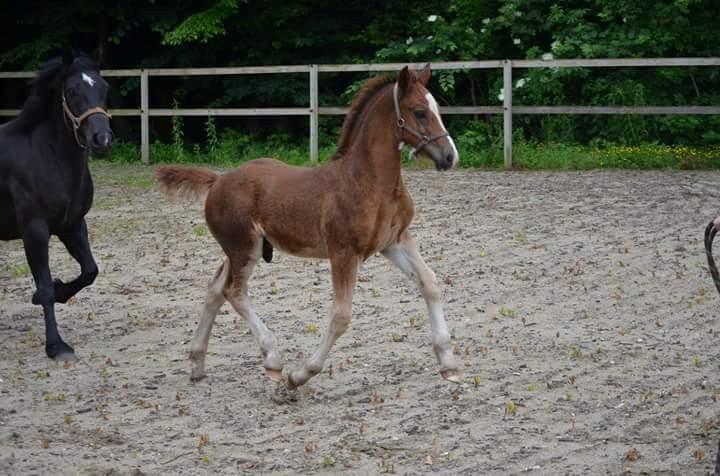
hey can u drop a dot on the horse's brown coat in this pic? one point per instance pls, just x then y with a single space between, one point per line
345 210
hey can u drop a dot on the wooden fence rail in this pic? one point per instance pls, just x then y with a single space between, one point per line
314 110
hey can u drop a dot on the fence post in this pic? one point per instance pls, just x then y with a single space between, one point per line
314 113
507 112
144 117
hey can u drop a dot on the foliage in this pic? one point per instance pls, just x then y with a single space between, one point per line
203 26
161 33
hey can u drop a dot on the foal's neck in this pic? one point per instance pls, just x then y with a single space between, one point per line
375 157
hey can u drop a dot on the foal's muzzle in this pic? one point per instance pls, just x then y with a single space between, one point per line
444 155
98 135
101 143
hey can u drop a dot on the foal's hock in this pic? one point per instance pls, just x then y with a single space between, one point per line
345 210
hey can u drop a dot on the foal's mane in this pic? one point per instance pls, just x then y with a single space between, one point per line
368 90
42 88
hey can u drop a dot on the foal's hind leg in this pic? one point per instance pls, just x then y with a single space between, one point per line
344 275
236 292
35 239
214 300
76 242
404 254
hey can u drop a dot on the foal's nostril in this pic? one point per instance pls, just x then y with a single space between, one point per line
450 158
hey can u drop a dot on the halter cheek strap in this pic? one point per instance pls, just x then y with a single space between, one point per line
403 126
76 121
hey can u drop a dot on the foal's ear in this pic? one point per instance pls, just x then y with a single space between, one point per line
424 75
405 79
68 56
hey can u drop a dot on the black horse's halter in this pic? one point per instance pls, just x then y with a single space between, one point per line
76 121
403 126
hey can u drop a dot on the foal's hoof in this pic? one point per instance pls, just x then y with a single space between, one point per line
65 357
60 352
197 376
291 384
451 375
274 375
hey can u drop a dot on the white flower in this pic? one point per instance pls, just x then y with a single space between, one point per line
482 30
432 18
555 45
429 37
520 83
409 40
518 14
501 96
516 41
486 21
547 56
624 20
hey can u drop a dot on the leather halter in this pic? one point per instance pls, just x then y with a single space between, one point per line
77 121
403 126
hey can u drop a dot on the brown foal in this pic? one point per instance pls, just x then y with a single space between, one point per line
345 210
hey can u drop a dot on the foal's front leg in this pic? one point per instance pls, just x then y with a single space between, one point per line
344 275
35 239
76 242
404 254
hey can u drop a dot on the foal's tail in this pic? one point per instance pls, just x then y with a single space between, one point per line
710 232
185 182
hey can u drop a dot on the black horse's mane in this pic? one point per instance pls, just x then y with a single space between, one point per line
42 88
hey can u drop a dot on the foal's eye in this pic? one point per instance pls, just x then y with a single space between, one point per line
71 92
420 115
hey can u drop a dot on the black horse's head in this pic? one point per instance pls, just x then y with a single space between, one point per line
84 102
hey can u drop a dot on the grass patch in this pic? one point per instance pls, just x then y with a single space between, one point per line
19 270
233 149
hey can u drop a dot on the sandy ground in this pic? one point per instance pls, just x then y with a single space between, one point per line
579 303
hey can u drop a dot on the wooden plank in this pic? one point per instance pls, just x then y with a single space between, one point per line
126 112
144 118
109 73
471 110
16 74
507 113
443 65
314 114
461 110
269 111
120 73
340 111
616 63
648 110
228 70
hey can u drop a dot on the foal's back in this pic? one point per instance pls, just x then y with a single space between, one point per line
287 205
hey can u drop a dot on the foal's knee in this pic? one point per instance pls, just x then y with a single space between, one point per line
340 320
90 274
430 288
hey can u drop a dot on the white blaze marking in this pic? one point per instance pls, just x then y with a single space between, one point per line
88 79
433 105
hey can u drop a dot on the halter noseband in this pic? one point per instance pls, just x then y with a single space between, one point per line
402 126
77 121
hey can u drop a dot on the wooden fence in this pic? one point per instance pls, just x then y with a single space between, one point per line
314 110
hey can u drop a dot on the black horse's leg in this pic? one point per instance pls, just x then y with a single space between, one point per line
35 238
76 242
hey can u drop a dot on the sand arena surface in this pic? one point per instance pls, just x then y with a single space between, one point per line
579 302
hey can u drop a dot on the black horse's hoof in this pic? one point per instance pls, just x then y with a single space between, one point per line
61 352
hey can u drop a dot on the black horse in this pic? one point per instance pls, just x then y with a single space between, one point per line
45 184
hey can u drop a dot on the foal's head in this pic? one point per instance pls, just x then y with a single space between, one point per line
419 120
72 87
83 93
